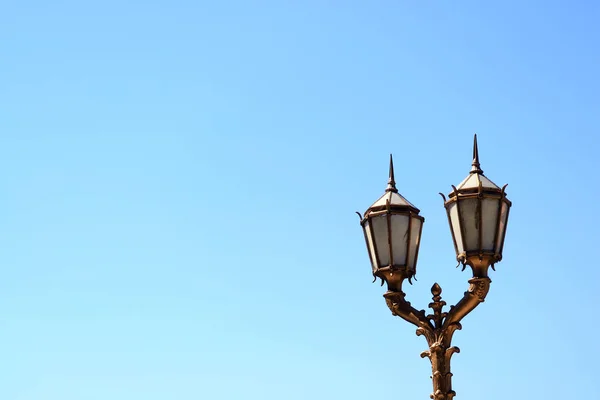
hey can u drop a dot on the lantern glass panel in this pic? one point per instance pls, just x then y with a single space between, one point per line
380 234
399 224
470 221
455 226
489 211
371 247
413 246
502 227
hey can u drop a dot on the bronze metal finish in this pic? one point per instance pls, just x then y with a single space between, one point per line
479 194
438 327
475 167
393 273
391 181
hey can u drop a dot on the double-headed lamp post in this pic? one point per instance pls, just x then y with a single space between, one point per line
477 213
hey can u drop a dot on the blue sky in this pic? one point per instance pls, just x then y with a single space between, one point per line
179 181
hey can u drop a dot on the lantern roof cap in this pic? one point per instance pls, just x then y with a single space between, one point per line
476 178
391 195
472 182
395 199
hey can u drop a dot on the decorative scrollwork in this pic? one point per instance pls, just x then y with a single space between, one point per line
437 305
391 306
439 327
450 351
479 287
428 333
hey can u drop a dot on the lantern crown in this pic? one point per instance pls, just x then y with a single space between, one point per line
391 198
476 179
391 187
475 167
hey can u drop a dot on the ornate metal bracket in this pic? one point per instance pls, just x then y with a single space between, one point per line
439 327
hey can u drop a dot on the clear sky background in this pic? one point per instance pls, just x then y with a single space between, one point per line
179 181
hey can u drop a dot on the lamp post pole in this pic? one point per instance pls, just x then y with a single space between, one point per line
477 213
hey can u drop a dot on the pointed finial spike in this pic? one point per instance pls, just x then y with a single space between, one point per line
476 167
391 187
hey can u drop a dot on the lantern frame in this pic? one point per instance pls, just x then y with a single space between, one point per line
393 273
478 256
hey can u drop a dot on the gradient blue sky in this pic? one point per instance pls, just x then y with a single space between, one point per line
179 181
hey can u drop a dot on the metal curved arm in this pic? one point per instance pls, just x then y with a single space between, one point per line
400 307
439 327
478 290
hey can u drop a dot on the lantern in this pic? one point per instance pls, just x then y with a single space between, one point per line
392 228
478 213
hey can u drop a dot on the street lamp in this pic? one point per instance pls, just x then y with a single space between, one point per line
477 212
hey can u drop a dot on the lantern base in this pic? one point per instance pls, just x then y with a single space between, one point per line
480 264
394 276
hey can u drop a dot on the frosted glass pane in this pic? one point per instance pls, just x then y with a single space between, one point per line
453 211
502 228
489 211
415 230
394 199
399 238
470 221
486 183
380 232
398 199
470 182
370 246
